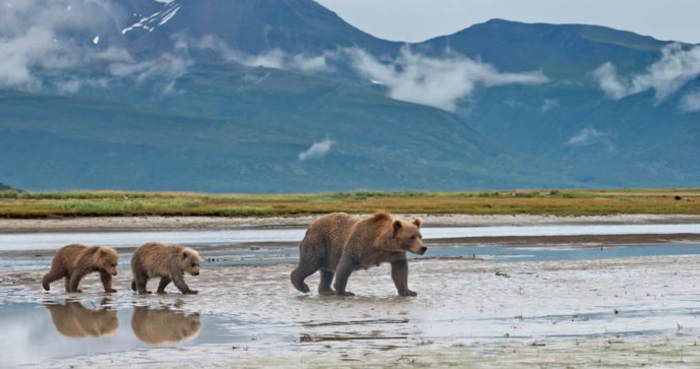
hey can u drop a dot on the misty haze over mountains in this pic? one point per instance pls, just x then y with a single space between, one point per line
283 95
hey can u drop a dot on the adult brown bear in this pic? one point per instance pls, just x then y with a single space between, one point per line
340 243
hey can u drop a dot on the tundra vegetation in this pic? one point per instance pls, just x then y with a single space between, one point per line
24 204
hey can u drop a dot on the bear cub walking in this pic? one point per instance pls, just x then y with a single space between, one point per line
73 262
339 244
167 262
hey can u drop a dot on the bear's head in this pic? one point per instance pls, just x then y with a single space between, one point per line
408 236
190 261
107 259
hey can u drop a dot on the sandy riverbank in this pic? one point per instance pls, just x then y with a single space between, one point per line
101 224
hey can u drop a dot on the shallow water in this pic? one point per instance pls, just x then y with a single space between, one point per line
559 296
251 312
32 333
50 241
274 255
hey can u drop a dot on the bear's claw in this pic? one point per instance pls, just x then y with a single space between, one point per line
408 293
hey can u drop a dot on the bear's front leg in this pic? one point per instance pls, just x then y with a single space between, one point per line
179 281
106 279
164 282
399 273
342 274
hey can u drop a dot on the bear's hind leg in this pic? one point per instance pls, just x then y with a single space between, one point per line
52 276
307 266
140 282
324 287
67 280
75 281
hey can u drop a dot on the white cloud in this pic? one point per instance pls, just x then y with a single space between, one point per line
37 39
30 40
666 76
275 58
590 136
439 82
691 102
318 150
549 104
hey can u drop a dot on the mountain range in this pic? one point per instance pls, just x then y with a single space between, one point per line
285 96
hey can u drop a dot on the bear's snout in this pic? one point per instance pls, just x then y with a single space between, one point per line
423 250
115 273
195 273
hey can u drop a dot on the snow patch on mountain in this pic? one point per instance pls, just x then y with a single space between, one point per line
156 19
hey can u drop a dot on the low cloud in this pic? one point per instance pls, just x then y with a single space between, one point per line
439 82
549 104
590 136
691 102
38 38
317 151
275 58
676 68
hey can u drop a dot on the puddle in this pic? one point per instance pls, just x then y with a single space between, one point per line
33 333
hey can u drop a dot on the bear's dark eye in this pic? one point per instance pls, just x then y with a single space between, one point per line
193 265
413 237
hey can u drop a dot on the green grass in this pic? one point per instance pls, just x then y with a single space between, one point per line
15 204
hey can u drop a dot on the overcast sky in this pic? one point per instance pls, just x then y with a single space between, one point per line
417 20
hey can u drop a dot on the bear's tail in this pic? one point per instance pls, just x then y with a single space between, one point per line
133 285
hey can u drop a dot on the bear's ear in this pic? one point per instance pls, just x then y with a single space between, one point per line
397 226
418 222
103 252
184 254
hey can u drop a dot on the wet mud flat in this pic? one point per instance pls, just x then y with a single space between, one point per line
623 312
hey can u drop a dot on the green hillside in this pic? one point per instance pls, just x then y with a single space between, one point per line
234 128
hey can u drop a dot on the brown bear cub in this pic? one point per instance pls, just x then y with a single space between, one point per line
167 262
73 262
340 243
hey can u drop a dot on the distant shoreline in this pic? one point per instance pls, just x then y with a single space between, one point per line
179 223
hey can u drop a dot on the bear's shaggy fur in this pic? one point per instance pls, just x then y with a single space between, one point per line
75 320
340 243
167 262
156 326
73 262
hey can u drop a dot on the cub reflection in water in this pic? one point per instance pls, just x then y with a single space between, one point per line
162 324
73 319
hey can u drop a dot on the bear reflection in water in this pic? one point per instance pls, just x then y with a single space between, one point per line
73 319
160 325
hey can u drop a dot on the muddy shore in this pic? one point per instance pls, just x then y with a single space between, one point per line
159 223
607 313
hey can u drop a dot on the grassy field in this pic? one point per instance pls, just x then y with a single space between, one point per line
15 204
